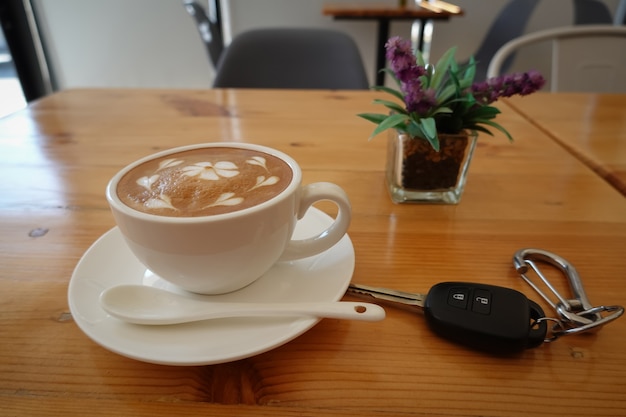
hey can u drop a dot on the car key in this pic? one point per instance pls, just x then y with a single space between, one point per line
480 316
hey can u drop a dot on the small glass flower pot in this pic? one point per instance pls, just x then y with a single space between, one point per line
416 173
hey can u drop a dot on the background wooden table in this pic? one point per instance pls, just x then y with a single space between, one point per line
57 156
591 127
384 14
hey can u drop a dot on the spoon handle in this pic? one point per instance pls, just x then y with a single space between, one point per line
150 306
346 310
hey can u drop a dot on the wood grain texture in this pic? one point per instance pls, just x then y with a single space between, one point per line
57 155
591 127
424 10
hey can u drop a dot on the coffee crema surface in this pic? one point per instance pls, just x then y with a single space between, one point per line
204 182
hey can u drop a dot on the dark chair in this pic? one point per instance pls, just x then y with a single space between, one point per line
585 58
509 24
512 20
591 12
291 58
620 13
210 27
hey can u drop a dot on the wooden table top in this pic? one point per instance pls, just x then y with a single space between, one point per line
425 10
591 127
58 154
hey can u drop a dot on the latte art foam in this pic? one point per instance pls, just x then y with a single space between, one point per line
203 182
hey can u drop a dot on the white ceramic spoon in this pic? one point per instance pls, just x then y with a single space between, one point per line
148 305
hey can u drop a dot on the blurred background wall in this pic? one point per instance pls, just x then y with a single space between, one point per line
156 44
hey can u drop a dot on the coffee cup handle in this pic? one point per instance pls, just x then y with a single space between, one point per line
311 194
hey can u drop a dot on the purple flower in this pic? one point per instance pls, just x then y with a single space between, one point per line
402 60
404 65
419 100
522 83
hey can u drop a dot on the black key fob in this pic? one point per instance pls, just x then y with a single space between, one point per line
485 317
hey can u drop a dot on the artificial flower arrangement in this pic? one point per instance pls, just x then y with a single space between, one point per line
443 98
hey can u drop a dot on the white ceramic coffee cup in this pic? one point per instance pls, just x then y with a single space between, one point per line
225 252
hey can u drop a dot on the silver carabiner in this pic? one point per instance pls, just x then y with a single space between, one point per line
577 314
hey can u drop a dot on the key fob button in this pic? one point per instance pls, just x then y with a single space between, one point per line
457 297
481 302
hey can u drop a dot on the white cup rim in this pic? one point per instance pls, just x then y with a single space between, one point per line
117 204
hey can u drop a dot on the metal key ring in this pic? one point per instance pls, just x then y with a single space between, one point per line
555 334
577 314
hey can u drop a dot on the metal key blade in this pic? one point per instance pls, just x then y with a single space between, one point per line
480 316
407 300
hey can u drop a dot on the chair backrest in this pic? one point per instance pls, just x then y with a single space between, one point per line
510 23
514 17
209 27
291 58
620 13
586 58
591 12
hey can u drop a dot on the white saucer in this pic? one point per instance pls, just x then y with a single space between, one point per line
109 262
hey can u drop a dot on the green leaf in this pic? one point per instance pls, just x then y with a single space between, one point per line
419 59
442 110
482 113
391 105
426 79
391 91
500 128
442 67
392 121
373 117
470 71
454 67
455 81
470 103
392 75
481 129
415 130
446 93
465 83
434 142
429 128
